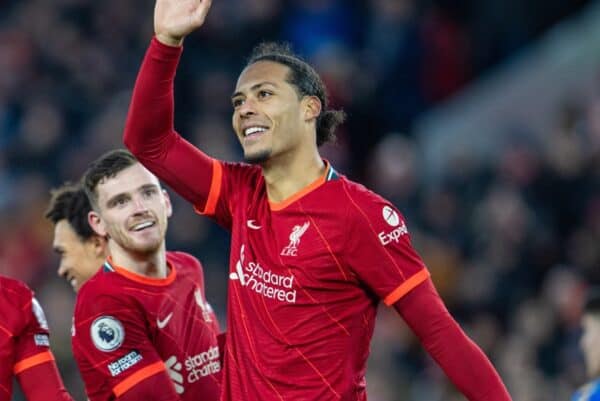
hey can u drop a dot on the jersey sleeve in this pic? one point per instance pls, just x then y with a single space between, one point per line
378 247
113 350
32 342
230 183
34 365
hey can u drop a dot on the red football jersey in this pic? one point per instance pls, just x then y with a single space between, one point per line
24 342
305 277
129 327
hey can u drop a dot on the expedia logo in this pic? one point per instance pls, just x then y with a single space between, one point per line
391 217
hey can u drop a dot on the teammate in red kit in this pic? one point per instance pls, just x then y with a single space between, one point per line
143 329
24 346
80 249
312 252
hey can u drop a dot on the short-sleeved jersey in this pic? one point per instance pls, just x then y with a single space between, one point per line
305 279
24 339
589 392
128 327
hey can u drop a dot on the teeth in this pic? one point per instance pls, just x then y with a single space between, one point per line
141 226
253 130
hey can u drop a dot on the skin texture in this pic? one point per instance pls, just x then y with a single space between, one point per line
132 213
79 259
590 344
263 98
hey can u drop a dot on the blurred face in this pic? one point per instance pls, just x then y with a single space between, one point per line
79 259
590 344
132 211
268 118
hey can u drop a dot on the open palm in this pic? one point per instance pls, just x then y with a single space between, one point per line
174 19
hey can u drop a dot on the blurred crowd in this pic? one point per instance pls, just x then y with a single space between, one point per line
512 241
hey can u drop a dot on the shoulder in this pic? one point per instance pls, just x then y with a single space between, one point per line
363 202
99 292
14 292
589 392
12 287
183 260
242 172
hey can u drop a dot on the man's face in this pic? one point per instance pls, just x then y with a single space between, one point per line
590 343
268 116
132 211
79 259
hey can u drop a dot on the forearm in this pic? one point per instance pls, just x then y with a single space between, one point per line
461 359
149 129
43 383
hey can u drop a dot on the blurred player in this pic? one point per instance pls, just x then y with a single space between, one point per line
143 329
590 345
24 346
80 249
312 253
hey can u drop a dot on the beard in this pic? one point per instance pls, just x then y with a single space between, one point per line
258 158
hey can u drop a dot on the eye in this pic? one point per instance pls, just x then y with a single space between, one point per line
237 102
148 192
264 94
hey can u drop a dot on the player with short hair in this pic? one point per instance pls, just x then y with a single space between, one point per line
312 253
80 249
25 346
590 345
143 329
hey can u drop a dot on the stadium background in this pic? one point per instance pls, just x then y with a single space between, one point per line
480 120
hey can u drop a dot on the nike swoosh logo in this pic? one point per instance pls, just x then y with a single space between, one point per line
162 323
252 224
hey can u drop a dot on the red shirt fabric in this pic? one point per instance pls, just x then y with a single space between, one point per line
305 275
24 346
130 328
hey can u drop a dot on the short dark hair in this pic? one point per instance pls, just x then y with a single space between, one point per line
306 81
592 301
69 202
106 166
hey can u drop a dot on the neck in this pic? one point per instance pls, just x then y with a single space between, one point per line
152 264
288 174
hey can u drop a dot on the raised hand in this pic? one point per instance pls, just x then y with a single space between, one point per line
174 19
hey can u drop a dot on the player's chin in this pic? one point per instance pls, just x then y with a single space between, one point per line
257 157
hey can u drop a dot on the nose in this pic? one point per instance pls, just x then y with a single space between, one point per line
62 269
139 205
247 108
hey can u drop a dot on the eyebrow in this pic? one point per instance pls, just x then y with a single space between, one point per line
255 87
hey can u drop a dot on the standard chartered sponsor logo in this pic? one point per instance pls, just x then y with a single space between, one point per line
202 364
196 367
264 282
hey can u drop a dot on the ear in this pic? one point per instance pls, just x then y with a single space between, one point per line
168 203
312 107
97 223
100 246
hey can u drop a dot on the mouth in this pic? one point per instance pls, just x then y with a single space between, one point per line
141 226
72 280
254 131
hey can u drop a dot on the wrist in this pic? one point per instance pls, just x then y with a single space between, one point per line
169 40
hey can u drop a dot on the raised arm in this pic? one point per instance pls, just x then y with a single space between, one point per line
149 131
